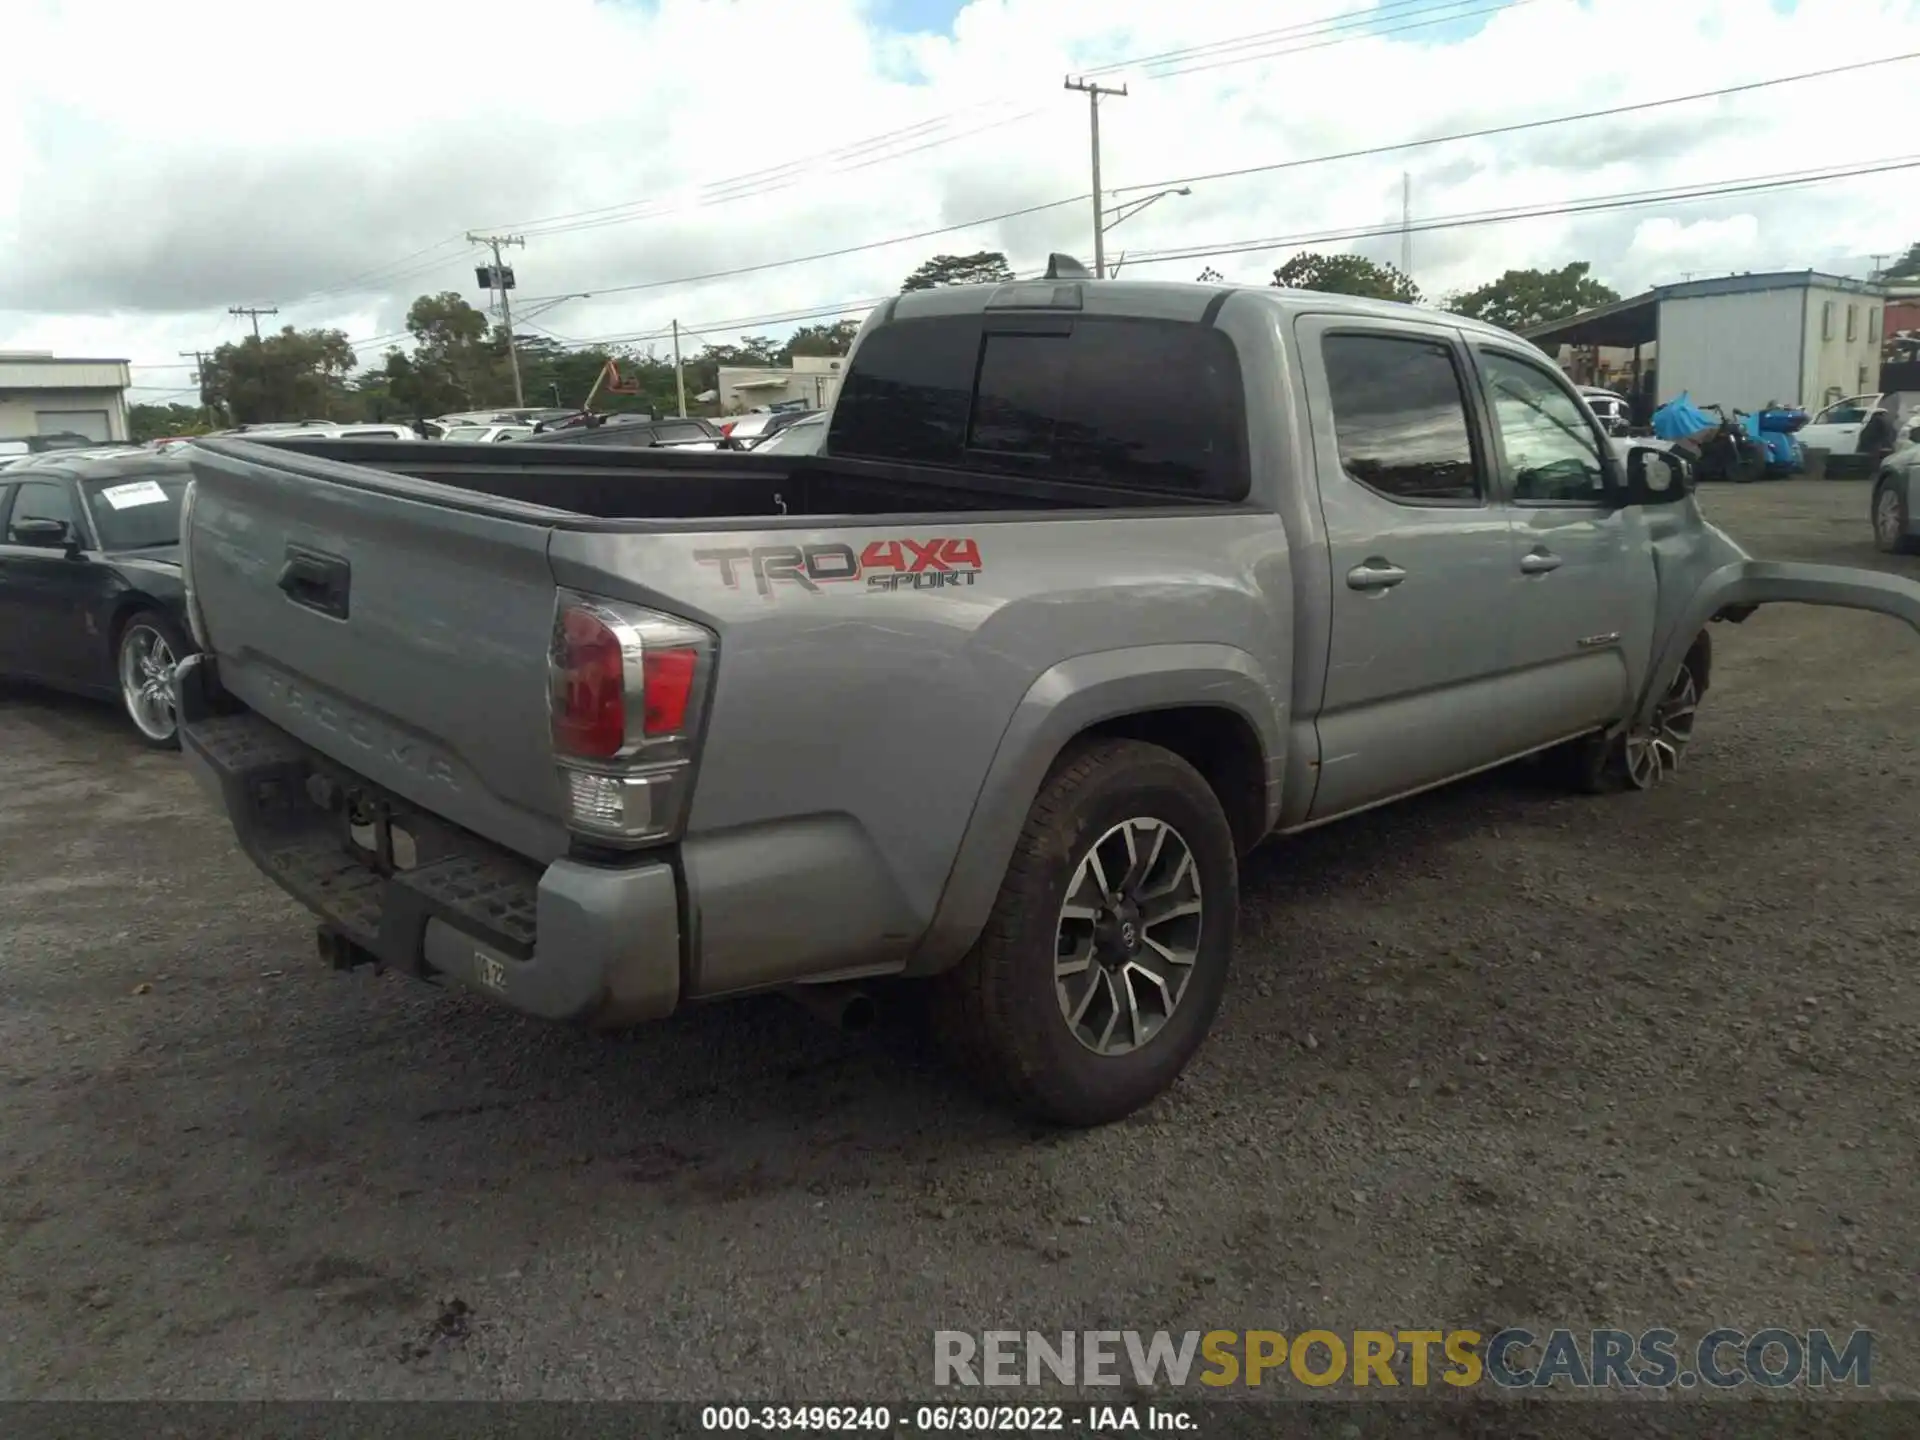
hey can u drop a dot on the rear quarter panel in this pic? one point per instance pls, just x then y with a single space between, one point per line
855 721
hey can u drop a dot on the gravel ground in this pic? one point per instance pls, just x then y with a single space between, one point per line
1492 1056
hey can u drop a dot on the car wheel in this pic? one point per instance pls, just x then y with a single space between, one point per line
146 651
1892 523
1103 962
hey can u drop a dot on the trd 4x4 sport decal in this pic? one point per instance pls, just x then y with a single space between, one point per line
937 564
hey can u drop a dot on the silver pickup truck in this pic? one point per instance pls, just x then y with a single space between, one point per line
1093 587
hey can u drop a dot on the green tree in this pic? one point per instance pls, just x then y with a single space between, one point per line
834 339
1521 299
983 267
151 422
1346 275
1907 267
1210 276
294 375
457 362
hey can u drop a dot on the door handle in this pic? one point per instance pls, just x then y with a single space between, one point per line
316 580
1539 562
1375 574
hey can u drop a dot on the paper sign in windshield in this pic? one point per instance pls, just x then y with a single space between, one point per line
139 492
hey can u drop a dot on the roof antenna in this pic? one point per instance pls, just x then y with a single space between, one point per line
1065 267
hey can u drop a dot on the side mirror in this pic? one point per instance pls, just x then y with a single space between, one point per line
48 534
1655 476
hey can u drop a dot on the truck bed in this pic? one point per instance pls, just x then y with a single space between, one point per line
661 485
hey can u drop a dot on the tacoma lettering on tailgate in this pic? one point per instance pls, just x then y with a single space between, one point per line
939 564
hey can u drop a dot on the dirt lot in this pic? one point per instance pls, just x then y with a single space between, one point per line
1494 1056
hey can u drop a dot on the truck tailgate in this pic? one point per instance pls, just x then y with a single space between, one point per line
404 637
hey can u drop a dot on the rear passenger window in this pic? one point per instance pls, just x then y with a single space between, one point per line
1135 404
1401 418
908 391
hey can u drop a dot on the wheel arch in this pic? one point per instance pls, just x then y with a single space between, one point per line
124 607
1746 583
1213 705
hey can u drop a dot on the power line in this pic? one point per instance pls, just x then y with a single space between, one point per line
1300 162
596 293
1589 205
1515 127
879 149
1367 26
1627 200
1385 10
1594 204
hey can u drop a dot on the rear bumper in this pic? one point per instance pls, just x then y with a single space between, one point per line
572 941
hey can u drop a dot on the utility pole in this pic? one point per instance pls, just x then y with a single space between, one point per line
679 375
200 379
1406 224
503 282
253 313
1874 274
1093 91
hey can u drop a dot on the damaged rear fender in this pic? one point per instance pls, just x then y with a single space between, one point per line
1745 583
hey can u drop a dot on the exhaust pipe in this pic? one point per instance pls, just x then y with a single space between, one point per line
843 1004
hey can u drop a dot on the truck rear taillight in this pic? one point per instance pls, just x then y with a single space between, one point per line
628 687
589 687
669 679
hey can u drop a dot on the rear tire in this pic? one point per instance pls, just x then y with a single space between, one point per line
1120 903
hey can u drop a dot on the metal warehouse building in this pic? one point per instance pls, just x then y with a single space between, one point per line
1741 341
42 395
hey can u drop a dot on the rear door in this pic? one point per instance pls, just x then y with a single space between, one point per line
387 626
1582 590
1421 561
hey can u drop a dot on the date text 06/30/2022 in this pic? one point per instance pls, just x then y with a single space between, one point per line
947 1419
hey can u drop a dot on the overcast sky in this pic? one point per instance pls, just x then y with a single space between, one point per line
162 160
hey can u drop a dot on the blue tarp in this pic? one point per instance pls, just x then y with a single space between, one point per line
1680 417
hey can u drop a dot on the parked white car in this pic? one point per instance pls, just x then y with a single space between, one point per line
486 434
1609 407
1859 431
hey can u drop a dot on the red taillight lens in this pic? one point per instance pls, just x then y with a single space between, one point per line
590 697
669 688
727 429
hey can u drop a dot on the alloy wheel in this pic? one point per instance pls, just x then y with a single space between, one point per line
1128 936
1654 752
147 663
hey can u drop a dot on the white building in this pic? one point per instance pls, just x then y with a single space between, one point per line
42 395
1742 341
812 379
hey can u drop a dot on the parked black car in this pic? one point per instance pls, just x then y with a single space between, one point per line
91 595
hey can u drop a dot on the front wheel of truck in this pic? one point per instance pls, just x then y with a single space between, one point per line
1103 962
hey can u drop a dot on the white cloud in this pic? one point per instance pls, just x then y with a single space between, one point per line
206 153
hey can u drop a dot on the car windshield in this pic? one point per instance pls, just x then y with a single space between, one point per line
466 432
136 514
